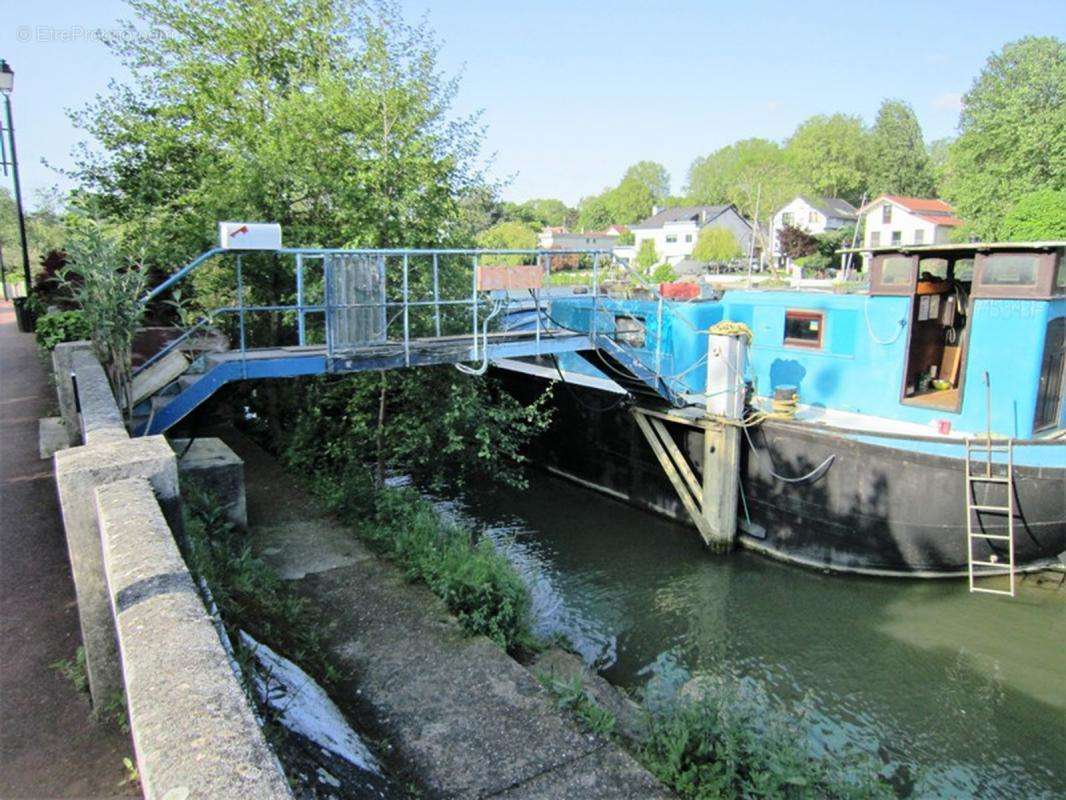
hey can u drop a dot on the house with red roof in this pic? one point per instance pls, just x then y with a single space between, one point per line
891 220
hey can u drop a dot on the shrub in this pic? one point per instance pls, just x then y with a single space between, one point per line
664 273
477 584
61 326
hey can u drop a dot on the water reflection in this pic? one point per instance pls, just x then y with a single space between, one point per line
957 695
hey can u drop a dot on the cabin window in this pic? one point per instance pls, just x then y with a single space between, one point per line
933 269
804 328
1049 395
629 330
1060 278
897 271
1010 269
964 269
886 214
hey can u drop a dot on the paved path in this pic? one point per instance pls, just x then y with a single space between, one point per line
463 717
49 746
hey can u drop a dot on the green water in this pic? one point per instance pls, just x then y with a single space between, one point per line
963 695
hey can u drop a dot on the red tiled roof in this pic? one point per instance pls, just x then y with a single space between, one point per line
927 208
942 219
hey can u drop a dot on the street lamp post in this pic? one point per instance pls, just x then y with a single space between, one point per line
7 83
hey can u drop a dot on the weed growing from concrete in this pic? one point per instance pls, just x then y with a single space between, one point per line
249 594
73 669
571 696
477 584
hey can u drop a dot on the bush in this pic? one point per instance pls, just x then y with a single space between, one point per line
664 273
61 326
1037 216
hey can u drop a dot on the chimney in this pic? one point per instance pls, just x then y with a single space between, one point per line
655 210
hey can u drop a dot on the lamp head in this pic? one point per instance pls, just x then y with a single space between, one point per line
7 77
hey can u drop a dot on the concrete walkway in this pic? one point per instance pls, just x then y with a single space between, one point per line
49 746
461 716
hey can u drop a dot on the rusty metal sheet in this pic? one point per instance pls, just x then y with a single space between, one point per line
495 277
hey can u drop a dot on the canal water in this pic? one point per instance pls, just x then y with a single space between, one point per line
959 695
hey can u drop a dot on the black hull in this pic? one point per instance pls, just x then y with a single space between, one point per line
876 510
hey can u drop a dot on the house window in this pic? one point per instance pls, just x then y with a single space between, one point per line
804 329
897 237
875 238
886 214
786 219
1049 395
671 238
688 237
919 237
812 218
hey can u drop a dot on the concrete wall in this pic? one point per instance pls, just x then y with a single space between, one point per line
144 627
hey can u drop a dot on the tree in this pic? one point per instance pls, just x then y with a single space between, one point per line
898 162
508 236
716 245
594 213
1012 133
652 176
829 155
539 213
796 242
1037 216
646 256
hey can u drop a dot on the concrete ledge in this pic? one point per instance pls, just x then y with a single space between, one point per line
78 472
193 730
63 367
52 436
101 420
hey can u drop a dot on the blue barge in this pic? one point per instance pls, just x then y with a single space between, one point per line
951 344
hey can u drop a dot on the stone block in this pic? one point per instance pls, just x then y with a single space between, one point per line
210 464
79 471
63 368
193 731
52 436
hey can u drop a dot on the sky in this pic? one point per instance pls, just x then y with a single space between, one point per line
574 92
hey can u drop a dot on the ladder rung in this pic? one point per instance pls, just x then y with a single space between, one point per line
999 565
990 478
992 591
998 509
1004 536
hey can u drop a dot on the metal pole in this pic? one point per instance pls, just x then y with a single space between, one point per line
300 298
754 232
3 269
240 311
18 196
436 295
406 319
473 298
595 295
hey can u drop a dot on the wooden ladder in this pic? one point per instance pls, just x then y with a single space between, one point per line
985 474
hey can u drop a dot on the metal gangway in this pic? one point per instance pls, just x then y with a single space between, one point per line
352 310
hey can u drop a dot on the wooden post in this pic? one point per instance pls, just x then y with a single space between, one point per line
721 476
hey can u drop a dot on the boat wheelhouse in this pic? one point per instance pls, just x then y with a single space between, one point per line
951 344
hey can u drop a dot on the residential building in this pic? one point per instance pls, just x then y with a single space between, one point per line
562 239
813 214
674 231
893 220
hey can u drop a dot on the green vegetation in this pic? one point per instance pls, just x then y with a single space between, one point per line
477 584
830 155
646 255
74 670
508 236
716 245
664 273
249 594
62 326
1037 216
898 160
643 185
572 696
1012 134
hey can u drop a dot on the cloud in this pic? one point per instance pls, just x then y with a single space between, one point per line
949 101
773 105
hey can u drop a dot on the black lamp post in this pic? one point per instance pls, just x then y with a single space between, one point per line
7 83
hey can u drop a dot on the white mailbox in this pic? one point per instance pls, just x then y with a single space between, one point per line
726 356
249 235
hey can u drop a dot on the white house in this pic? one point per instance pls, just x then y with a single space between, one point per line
893 220
562 239
674 231
812 214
